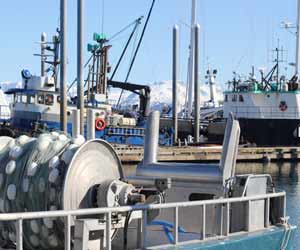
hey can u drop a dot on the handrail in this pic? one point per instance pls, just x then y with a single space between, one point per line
264 111
142 221
94 211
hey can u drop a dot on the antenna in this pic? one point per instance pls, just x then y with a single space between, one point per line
290 26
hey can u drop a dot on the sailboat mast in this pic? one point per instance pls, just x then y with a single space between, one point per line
297 39
191 60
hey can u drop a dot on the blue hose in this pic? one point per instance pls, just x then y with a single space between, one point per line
166 227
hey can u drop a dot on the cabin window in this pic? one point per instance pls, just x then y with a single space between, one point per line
226 98
241 98
234 98
49 99
30 99
19 98
41 99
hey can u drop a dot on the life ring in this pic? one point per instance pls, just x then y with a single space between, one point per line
283 106
100 124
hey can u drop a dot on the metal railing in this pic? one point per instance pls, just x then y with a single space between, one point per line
68 216
265 112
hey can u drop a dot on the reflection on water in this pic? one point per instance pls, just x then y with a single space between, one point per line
285 176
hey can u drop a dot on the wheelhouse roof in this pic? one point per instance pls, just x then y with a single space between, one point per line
28 91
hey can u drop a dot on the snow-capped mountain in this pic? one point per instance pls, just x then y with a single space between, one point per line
161 95
6 85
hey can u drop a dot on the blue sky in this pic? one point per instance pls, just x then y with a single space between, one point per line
235 34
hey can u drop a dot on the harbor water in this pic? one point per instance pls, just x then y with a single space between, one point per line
285 176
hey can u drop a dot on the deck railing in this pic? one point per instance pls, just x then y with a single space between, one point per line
68 216
265 112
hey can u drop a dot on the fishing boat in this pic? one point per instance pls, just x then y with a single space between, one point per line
267 106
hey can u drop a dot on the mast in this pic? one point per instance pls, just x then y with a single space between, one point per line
80 62
297 39
43 53
174 80
63 65
190 87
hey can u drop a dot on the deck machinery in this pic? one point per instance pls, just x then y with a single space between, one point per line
88 203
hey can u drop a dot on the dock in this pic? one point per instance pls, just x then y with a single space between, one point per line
130 154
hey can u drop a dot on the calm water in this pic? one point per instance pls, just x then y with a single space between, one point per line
285 177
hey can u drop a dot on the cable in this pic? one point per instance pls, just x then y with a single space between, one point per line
132 54
138 20
137 23
125 240
139 45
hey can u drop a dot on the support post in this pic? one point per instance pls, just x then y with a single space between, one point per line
191 61
108 231
151 138
19 227
68 239
91 124
80 63
63 65
197 85
175 79
297 40
75 123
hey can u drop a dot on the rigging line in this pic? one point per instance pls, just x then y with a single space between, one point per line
140 42
132 54
137 23
138 20
75 80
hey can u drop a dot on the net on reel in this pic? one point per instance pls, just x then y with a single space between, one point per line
51 172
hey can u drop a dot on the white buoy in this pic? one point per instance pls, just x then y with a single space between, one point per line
53 240
62 137
11 144
23 139
53 175
55 134
48 222
32 169
42 185
34 240
68 154
15 152
10 167
11 192
57 145
54 162
43 143
12 236
34 226
25 185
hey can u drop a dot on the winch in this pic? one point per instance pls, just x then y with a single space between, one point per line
56 172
